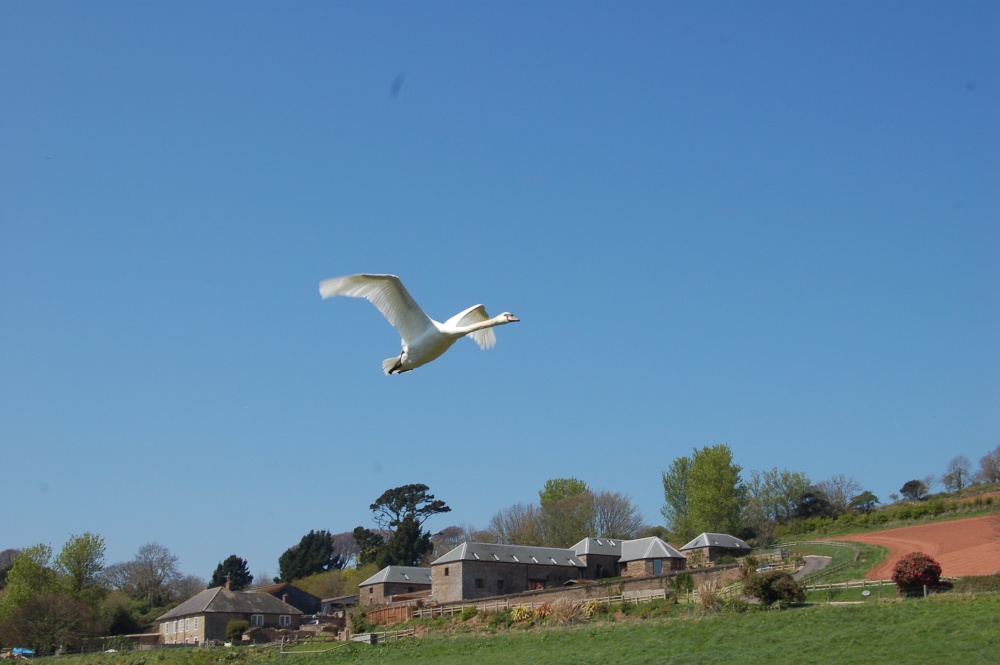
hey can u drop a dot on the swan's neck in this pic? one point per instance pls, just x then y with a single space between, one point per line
488 323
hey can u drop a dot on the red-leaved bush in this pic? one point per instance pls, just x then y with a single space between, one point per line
915 570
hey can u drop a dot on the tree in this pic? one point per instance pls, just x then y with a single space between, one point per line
407 546
30 575
451 537
864 502
838 491
80 563
407 501
703 493
345 547
314 554
557 489
676 507
49 621
568 520
914 490
989 467
183 587
401 512
233 570
814 504
518 525
715 491
6 561
615 516
915 570
957 474
369 544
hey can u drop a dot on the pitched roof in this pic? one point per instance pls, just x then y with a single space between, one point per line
221 599
400 574
609 546
716 540
648 548
276 590
524 554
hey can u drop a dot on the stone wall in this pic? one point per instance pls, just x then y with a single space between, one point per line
472 580
598 589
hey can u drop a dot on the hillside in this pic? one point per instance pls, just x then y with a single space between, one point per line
963 547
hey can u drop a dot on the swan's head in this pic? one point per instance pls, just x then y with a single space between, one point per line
507 317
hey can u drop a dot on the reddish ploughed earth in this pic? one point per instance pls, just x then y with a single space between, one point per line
962 547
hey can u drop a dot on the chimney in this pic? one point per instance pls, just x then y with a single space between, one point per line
284 598
229 584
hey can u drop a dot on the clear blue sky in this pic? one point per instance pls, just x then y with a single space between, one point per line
773 225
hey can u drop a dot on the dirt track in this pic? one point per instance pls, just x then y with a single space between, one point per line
962 547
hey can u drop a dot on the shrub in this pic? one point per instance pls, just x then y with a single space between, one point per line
773 586
683 583
708 595
501 619
521 613
564 611
594 607
915 570
735 606
358 621
543 611
468 613
235 629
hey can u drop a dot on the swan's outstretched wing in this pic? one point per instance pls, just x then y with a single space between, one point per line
485 338
388 294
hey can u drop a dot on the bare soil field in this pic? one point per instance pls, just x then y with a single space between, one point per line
962 547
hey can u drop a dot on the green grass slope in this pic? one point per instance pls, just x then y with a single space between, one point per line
935 630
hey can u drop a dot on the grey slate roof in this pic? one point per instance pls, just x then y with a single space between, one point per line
609 546
648 548
221 599
400 574
525 554
716 540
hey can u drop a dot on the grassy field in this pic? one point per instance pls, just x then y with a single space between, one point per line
868 557
949 628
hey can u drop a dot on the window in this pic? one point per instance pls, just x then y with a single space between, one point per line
371 590
175 626
479 583
410 589
446 571
256 620
499 585
187 625
657 566
285 620
196 623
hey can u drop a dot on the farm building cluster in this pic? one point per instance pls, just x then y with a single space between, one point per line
470 572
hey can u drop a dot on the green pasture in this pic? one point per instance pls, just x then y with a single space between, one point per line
946 628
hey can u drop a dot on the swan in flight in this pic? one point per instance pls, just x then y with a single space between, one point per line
424 339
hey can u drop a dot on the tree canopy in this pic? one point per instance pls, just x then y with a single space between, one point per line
703 493
400 513
234 570
315 553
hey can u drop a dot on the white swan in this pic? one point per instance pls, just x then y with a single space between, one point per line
424 339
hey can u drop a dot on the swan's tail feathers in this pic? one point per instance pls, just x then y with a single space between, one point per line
392 365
